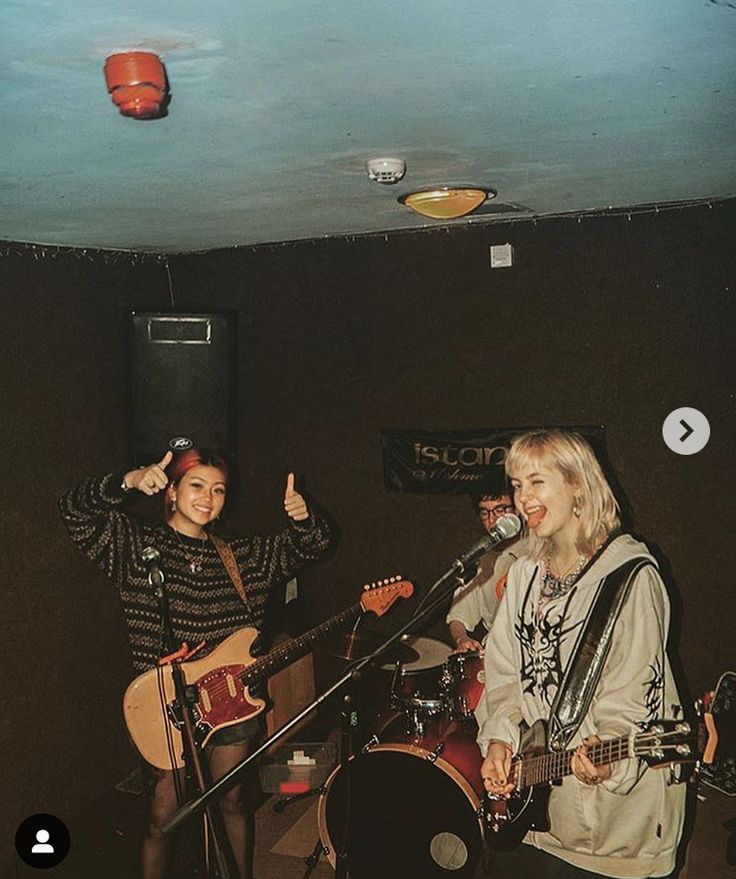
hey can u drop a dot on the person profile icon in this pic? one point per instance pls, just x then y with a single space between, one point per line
42 846
42 841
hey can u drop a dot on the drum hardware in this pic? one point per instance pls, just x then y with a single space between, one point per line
435 753
463 683
312 860
416 690
371 743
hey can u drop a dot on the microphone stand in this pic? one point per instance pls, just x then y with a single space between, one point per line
224 860
462 567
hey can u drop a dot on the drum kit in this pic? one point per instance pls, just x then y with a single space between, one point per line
415 788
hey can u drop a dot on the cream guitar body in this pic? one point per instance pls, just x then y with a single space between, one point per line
223 700
220 682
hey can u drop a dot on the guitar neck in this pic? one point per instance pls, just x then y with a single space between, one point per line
282 656
544 768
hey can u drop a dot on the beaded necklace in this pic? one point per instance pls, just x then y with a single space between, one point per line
554 586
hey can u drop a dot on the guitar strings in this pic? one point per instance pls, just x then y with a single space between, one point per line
257 670
547 767
260 667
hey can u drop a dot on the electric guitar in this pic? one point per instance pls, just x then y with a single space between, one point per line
662 743
220 682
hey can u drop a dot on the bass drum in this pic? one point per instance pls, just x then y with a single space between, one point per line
413 806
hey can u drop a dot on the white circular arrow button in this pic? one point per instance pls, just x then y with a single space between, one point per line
686 431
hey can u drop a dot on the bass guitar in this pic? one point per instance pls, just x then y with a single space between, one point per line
706 746
220 683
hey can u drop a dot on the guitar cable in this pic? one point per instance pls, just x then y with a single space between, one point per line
178 784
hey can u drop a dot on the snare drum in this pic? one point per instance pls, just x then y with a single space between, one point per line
463 679
417 691
413 806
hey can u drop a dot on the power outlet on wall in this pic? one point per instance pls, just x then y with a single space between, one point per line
502 256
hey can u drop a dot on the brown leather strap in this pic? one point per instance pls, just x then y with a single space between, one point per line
225 552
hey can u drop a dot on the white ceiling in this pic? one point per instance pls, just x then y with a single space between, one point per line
561 105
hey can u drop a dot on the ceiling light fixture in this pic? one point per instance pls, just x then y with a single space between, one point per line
137 83
447 202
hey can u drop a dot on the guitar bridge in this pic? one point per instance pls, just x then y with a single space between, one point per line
176 715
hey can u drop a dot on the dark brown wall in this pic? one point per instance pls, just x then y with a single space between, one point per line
611 321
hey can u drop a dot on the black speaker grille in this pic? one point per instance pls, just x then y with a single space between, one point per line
181 381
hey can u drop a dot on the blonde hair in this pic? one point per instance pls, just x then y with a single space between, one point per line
574 458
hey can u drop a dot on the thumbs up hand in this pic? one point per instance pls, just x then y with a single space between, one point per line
294 503
151 479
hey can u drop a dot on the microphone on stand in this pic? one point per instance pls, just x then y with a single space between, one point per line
151 557
508 526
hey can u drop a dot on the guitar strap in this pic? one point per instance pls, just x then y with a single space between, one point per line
225 551
586 664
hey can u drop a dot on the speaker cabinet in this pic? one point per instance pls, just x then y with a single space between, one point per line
182 381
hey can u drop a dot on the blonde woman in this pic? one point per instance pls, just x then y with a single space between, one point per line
621 819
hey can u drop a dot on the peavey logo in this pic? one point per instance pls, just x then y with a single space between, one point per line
180 443
459 456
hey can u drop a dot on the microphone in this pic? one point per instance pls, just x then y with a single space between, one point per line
151 557
508 526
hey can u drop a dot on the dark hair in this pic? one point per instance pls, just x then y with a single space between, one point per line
493 485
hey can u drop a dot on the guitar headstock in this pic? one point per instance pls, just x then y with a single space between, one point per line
718 709
378 596
667 741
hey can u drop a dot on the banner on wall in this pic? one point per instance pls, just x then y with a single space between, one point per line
450 461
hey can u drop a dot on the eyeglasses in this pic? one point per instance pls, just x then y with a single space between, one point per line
495 512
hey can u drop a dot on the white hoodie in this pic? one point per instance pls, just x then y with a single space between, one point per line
629 826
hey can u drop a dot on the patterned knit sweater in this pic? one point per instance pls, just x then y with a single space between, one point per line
203 605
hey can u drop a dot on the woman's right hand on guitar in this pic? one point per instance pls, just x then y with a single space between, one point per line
496 768
151 479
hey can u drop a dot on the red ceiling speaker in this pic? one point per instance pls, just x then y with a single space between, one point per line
137 83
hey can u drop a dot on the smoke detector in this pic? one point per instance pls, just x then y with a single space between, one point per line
386 171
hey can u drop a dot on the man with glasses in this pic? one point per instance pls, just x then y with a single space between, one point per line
478 601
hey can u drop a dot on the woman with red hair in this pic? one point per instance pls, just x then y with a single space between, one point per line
204 604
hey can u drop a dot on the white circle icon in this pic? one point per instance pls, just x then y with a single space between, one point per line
686 430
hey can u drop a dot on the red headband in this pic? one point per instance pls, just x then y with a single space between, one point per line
193 458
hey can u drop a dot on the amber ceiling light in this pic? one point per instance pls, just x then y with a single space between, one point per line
447 202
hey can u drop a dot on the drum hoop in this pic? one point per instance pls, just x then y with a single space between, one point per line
460 658
419 702
415 751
